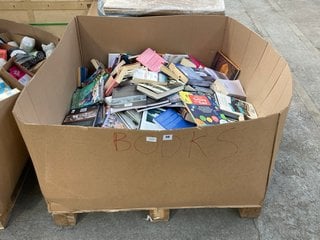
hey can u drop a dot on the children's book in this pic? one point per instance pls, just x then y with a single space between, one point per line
224 65
204 109
170 119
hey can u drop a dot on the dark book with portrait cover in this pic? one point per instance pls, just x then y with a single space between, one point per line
223 64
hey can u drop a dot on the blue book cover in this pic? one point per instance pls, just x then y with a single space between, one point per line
170 119
4 87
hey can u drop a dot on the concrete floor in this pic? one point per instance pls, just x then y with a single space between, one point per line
292 206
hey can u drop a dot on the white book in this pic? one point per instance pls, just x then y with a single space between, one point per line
229 87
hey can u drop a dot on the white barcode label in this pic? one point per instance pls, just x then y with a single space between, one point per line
151 139
167 137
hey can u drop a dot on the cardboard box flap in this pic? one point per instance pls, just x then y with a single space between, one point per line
279 95
47 97
261 67
24 29
166 34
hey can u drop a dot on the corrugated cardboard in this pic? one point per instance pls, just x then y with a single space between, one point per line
13 152
93 169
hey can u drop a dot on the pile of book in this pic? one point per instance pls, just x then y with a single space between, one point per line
152 91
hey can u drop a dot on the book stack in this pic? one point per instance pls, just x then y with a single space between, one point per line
152 91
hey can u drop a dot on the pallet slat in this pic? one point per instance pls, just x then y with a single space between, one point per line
52 5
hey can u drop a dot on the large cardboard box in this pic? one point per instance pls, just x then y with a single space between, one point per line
92 169
13 152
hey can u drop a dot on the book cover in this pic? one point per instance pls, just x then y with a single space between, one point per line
229 87
88 95
170 119
85 116
225 105
224 65
143 75
152 103
204 109
196 76
147 120
151 59
246 108
129 120
113 121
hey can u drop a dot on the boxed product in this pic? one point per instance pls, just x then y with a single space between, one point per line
84 169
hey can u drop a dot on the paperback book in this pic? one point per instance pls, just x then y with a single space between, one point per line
127 97
232 105
231 88
170 119
159 91
204 109
112 120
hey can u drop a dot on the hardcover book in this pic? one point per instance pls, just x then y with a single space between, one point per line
224 65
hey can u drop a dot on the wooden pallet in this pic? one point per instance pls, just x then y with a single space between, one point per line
155 215
4 216
51 16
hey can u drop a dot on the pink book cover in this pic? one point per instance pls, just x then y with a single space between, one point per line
150 59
